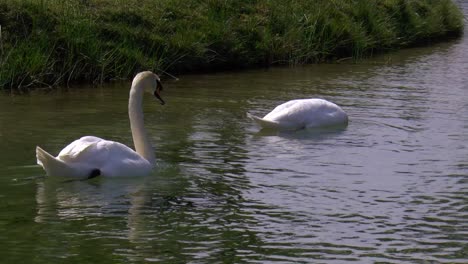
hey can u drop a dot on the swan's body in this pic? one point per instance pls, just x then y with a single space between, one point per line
91 156
303 113
85 156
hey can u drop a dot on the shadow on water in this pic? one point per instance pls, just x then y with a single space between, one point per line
128 202
53 193
311 133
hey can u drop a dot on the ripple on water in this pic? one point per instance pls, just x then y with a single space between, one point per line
391 187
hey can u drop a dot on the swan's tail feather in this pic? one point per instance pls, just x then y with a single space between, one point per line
262 122
51 165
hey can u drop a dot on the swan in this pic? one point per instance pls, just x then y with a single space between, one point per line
303 113
90 156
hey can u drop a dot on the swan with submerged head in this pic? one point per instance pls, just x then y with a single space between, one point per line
303 114
90 156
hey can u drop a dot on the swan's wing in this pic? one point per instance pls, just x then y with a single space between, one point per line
283 108
72 152
94 150
110 157
321 113
302 113
292 112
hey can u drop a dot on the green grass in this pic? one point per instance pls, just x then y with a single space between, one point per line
55 42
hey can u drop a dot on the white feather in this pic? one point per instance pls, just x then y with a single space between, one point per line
89 155
303 113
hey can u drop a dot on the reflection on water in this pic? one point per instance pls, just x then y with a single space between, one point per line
391 187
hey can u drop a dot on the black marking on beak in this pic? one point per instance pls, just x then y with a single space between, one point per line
158 82
94 173
157 93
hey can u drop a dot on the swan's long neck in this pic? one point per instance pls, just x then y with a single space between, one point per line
135 112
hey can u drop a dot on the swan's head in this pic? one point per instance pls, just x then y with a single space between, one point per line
150 79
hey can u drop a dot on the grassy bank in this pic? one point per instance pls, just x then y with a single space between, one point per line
54 42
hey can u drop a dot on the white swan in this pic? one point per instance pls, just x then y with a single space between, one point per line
91 156
303 113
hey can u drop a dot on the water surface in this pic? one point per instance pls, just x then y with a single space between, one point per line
391 187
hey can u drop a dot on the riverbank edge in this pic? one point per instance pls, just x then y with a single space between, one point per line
52 43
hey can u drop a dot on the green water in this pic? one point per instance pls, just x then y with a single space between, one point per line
391 187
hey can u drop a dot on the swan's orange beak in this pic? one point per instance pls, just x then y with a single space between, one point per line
157 93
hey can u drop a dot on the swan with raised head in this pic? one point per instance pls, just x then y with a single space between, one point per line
303 114
90 156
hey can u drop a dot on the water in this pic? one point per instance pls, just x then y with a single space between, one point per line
391 187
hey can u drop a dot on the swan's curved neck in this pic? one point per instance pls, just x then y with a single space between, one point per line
135 112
